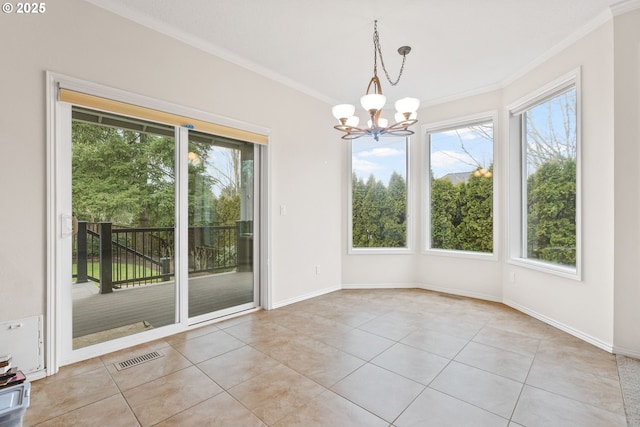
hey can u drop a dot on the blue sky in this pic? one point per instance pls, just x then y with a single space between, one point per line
380 158
447 155
461 150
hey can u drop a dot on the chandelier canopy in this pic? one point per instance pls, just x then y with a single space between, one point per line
374 102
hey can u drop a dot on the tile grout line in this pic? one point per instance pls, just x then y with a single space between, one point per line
524 383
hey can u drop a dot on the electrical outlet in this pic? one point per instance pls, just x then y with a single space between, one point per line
317 270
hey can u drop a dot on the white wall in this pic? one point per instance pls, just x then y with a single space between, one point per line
627 157
83 41
587 306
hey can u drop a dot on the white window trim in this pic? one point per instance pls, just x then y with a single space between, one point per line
456 123
516 181
409 231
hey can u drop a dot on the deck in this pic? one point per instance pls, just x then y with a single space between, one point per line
155 304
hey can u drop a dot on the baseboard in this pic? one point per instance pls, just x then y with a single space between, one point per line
304 297
568 329
626 352
458 292
425 286
37 375
380 286
571 331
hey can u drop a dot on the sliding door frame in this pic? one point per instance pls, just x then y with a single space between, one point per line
58 218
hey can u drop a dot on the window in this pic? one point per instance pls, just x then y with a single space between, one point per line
545 130
549 139
460 187
379 193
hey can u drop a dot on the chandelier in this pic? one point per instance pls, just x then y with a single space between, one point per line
374 102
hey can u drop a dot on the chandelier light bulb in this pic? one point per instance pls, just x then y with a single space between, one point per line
343 111
373 102
407 105
353 121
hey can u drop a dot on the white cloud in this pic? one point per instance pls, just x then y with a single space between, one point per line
464 133
467 133
364 167
447 161
381 152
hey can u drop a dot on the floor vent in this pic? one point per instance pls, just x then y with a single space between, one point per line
135 361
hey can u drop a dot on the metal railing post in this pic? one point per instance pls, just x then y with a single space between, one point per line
81 252
106 259
165 265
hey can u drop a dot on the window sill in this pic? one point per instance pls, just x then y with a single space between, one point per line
380 251
462 254
557 270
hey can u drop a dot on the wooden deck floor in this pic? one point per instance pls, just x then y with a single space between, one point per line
155 304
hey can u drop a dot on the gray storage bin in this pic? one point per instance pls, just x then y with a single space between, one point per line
14 402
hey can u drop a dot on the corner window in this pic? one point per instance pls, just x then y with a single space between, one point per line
379 194
546 133
460 187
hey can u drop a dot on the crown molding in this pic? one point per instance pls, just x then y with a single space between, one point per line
160 27
199 43
624 7
596 22
461 95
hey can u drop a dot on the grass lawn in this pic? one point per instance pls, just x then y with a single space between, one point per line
125 271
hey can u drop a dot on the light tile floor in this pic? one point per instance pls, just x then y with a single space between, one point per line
350 358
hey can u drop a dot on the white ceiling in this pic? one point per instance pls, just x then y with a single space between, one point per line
325 48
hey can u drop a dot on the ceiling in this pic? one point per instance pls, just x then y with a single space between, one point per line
325 49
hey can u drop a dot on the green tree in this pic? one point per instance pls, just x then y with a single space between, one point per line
374 206
358 191
395 214
445 213
228 209
122 176
551 212
475 230
379 212
461 214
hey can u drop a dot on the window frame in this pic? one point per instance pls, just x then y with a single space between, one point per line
409 248
452 124
517 173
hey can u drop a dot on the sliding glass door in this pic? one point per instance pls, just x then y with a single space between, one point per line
162 228
123 200
221 225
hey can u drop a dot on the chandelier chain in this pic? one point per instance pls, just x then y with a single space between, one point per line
377 50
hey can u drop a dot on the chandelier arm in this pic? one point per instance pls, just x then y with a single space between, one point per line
375 82
351 136
350 129
399 132
403 124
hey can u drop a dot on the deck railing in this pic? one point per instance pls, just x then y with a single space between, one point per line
116 257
